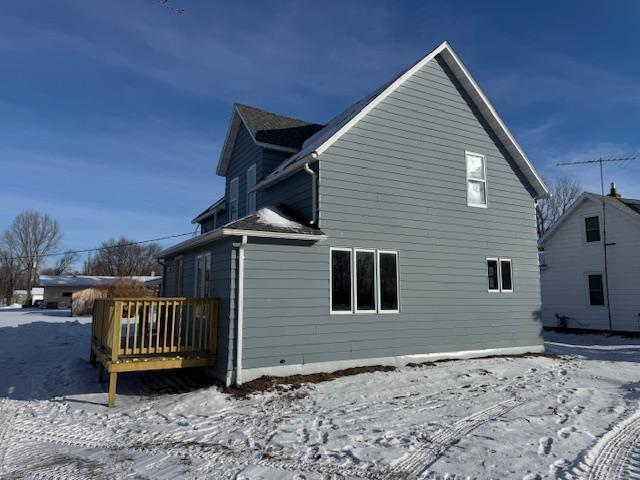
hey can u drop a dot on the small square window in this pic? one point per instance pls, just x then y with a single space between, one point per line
592 229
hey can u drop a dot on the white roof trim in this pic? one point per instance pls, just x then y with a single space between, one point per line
221 232
594 198
321 142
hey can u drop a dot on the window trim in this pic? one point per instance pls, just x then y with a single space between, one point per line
207 257
379 304
331 310
355 281
250 194
500 260
467 153
588 289
236 200
504 290
497 260
584 229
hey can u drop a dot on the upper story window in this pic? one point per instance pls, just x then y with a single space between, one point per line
592 229
476 179
251 196
233 199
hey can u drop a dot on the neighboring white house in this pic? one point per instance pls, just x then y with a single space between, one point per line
59 289
573 274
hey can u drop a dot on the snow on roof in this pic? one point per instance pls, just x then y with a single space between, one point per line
268 216
87 280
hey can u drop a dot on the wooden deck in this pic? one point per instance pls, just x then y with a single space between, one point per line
137 334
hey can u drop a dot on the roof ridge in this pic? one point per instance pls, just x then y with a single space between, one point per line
262 110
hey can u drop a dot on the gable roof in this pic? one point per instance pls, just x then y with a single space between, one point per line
267 129
339 125
626 205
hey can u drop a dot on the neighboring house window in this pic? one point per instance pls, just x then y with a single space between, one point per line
476 180
596 290
177 276
592 229
500 275
341 280
365 275
388 282
251 196
203 275
494 276
66 294
233 199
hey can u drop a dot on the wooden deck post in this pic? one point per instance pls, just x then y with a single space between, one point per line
113 380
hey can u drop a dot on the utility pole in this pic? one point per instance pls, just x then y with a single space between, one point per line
600 161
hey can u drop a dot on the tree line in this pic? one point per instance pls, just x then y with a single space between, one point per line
28 248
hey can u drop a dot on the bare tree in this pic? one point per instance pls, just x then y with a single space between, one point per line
10 268
564 192
63 266
34 235
123 257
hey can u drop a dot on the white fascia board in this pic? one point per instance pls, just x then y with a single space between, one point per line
192 242
228 232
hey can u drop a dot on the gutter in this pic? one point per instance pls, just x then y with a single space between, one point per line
240 313
294 167
314 188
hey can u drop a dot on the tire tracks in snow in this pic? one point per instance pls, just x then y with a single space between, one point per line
616 456
416 464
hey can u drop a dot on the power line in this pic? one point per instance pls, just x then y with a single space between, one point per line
600 161
107 248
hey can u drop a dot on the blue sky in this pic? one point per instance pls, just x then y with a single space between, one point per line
112 113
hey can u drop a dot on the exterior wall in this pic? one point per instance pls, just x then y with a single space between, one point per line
223 287
397 181
569 258
55 294
245 152
295 192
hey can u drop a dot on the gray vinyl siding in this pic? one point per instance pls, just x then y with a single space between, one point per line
245 153
223 286
569 259
397 181
208 225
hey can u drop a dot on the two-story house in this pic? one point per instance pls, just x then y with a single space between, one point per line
591 270
403 230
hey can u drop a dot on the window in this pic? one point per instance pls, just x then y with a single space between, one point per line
233 199
476 180
340 280
592 229
203 275
251 196
506 282
66 294
500 275
365 288
388 282
596 290
177 277
492 272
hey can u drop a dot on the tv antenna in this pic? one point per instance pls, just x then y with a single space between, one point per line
600 162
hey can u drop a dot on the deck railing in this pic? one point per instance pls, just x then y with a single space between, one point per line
130 327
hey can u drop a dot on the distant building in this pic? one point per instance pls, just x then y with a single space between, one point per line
573 272
59 289
20 296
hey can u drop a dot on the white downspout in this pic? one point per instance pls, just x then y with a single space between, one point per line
240 312
314 206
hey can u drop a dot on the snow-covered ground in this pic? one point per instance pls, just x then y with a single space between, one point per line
574 415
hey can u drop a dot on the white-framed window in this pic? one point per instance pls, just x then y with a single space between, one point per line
595 287
592 229
364 267
203 276
341 274
388 282
476 179
364 280
233 199
499 275
251 196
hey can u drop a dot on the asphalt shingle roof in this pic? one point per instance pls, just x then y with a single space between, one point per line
276 129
